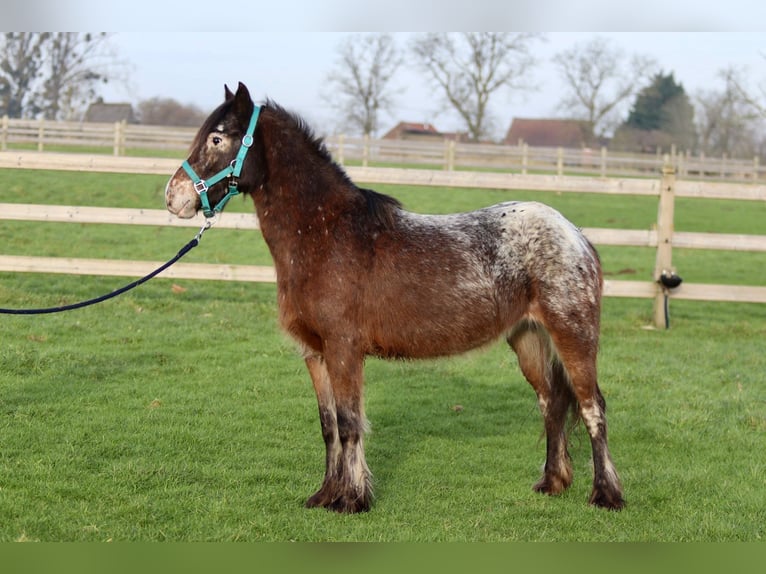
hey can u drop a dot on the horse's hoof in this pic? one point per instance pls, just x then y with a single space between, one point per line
346 506
608 500
341 504
551 485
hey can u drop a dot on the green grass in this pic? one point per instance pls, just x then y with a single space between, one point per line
170 414
100 150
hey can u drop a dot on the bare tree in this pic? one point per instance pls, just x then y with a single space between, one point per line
77 64
754 97
53 74
729 120
470 67
21 60
599 78
360 86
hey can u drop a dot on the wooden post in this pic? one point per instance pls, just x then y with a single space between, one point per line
756 168
116 142
40 134
683 170
341 139
123 136
4 134
560 161
603 161
524 158
119 138
450 151
664 259
365 150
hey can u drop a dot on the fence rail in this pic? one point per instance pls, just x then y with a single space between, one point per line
120 137
663 237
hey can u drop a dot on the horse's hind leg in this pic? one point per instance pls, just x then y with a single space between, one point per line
578 356
346 486
554 395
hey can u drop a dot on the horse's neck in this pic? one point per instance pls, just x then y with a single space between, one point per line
291 207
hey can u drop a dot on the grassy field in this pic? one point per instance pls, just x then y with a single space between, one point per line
181 412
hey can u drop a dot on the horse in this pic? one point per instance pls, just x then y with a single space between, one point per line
357 275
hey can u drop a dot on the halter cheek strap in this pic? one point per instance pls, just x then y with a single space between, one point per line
232 172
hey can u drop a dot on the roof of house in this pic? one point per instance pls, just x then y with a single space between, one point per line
411 128
549 132
109 113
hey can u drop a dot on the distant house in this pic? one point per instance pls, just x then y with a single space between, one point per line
457 137
102 112
549 133
412 131
422 132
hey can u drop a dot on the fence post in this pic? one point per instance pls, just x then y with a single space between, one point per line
341 138
560 161
524 158
40 134
4 134
450 150
756 168
119 138
603 161
366 150
664 259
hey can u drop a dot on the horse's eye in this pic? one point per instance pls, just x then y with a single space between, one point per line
216 140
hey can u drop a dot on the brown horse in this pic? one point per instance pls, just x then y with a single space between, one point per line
358 275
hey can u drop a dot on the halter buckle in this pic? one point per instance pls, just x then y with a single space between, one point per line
200 187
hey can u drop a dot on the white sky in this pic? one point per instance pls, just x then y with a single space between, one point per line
292 68
284 50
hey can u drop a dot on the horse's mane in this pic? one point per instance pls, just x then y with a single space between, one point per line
300 125
379 206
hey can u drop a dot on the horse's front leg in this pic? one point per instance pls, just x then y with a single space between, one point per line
338 385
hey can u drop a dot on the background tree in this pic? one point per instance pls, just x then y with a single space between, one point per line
599 78
470 67
21 61
729 120
169 112
662 115
755 98
360 85
53 74
77 64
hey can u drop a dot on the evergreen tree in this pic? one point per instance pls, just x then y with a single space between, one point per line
661 115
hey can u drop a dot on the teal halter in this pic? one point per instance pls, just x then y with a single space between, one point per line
232 172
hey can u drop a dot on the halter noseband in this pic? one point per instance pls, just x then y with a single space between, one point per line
232 172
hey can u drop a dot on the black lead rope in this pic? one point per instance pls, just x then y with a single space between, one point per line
184 250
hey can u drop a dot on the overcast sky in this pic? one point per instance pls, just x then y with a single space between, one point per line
285 49
292 69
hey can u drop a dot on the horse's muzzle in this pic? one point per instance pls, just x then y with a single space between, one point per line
180 197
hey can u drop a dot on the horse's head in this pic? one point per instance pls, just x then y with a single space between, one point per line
211 174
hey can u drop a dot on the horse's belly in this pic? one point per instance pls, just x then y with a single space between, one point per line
433 328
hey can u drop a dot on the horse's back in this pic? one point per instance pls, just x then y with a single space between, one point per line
442 284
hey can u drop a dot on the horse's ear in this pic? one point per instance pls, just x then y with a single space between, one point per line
243 93
243 104
228 94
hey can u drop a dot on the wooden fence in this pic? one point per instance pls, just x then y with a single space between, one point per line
663 238
120 137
